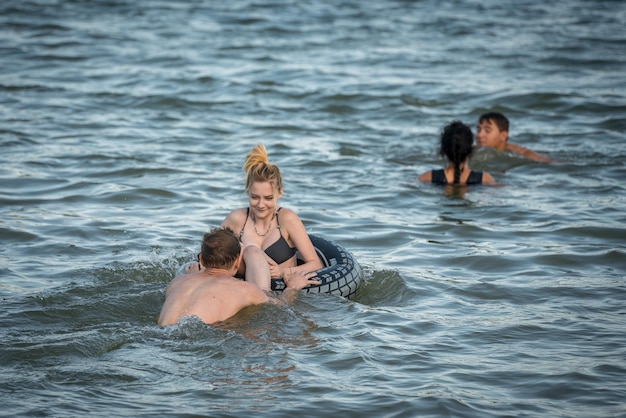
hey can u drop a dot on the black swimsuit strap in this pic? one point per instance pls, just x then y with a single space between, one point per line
244 224
278 223
246 221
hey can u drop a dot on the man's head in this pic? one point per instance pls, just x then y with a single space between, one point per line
492 130
220 249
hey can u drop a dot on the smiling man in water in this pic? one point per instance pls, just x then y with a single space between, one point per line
212 293
492 130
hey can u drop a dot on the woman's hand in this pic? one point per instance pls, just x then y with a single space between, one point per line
275 271
297 280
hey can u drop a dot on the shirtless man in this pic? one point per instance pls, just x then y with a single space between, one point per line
492 130
211 292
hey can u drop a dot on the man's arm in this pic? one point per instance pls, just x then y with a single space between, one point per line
525 152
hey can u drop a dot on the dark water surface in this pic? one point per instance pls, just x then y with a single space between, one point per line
123 127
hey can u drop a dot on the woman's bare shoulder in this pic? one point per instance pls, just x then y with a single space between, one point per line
237 216
287 214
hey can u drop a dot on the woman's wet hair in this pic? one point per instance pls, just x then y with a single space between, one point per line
258 168
457 144
220 249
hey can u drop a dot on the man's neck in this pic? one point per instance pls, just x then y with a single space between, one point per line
210 271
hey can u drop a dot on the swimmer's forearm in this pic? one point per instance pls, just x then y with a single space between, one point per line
290 294
310 266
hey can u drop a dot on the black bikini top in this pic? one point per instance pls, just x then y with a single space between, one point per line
439 177
279 251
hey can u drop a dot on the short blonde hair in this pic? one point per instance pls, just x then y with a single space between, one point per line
258 168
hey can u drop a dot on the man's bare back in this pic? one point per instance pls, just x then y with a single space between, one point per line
210 297
212 293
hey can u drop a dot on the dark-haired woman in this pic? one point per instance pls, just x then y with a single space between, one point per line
457 145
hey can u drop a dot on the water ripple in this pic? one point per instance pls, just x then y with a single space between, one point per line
123 136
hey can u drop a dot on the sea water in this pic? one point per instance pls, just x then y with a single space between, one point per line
123 128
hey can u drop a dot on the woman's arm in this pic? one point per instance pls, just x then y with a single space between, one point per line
296 232
426 177
488 179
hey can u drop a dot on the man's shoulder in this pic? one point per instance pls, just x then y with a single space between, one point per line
182 283
518 149
251 290
234 283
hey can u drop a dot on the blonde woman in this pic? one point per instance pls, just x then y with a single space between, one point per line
268 232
